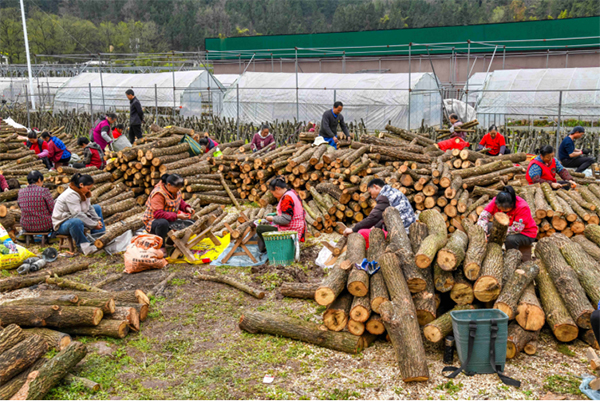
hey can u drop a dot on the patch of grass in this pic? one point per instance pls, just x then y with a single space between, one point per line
270 280
320 309
559 384
178 281
564 349
449 387
337 394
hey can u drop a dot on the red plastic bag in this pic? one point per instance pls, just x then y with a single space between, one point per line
144 254
453 143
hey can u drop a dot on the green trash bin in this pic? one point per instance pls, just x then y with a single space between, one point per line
281 249
480 358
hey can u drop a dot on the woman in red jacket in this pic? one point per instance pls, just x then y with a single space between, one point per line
522 229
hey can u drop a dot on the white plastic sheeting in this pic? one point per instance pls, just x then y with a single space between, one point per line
464 112
535 92
44 88
184 89
227 79
375 99
476 83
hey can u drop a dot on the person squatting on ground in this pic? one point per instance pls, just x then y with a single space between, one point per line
36 204
93 156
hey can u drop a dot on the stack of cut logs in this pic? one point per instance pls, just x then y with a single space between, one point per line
81 310
26 373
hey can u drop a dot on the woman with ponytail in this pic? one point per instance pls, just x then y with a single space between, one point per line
73 211
165 206
522 229
290 213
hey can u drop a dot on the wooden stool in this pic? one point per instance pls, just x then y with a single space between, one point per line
66 242
29 237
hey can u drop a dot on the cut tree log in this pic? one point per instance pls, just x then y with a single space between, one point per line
9 389
462 291
74 285
476 250
360 310
592 232
255 292
301 330
499 228
590 248
442 280
437 330
52 372
54 339
299 290
335 318
530 314
81 381
355 253
551 198
557 315
127 313
489 284
514 288
107 327
518 339
375 325
436 239
356 328
132 223
50 316
377 290
19 357
453 254
10 336
588 337
332 286
14 283
512 259
566 282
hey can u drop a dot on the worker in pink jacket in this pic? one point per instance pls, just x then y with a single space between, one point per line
522 230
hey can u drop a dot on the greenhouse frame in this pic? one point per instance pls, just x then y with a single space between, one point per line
375 99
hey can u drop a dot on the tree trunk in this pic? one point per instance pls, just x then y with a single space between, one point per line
50 316
443 280
514 288
378 291
542 208
337 314
10 336
19 357
480 202
489 284
436 239
442 326
375 325
107 327
120 217
530 314
51 372
65 283
184 147
399 154
301 330
210 199
491 178
255 292
518 339
482 170
425 304
358 281
452 255
14 283
499 229
400 321
120 297
551 198
81 381
476 250
409 136
461 204
566 282
115 201
512 259
513 158
355 253
588 246
462 291
299 290
557 315
587 336
332 285
9 389
54 339
592 232
455 186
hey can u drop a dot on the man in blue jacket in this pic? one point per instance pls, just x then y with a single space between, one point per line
329 123
571 157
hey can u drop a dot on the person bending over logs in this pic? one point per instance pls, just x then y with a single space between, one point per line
522 229
262 139
494 141
166 209
290 213
73 211
36 204
93 156
207 143
57 151
385 196
544 167
38 145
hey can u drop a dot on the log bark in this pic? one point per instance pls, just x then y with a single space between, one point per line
513 158
443 280
129 314
81 381
566 282
551 198
301 330
475 251
437 330
453 254
518 339
52 372
499 228
10 336
54 339
592 232
399 154
74 285
489 284
454 188
255 292
107 327
14 283
335 318
512 259
482 170
299 290
50 316
462 291
588 246
400 321
530 314
514 288
355 253
436 239
587 336
120 297
542 208
491 178
9 389
360 310
19 357
332 286
377 290
557 315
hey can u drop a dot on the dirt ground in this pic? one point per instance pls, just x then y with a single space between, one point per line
190 347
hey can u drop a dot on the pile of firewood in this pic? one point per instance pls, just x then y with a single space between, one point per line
25 371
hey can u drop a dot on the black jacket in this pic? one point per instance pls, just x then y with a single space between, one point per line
136 114
375 218
329 125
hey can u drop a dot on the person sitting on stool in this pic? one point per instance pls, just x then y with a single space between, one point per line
494 141
543 168
571 157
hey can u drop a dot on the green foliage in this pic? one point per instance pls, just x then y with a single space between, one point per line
564 349
143 26
450 387
560 384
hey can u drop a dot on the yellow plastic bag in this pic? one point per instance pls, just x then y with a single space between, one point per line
11 254
205 251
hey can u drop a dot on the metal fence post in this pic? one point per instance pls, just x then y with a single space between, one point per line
27 106
174 103
237 120
102 85
334 95
91 106
297 105
409 60
559 120
155 104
